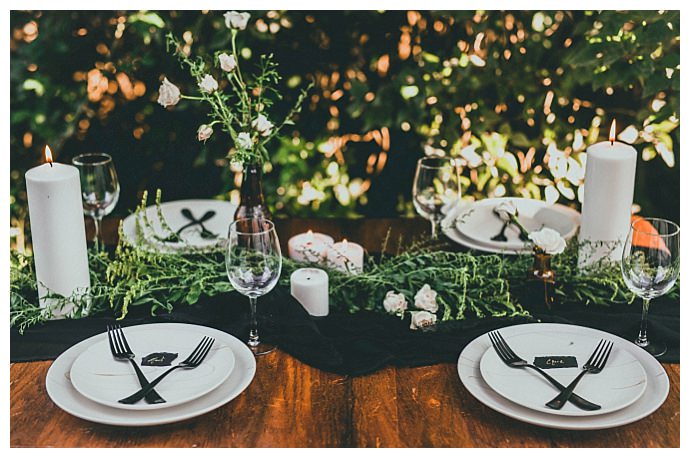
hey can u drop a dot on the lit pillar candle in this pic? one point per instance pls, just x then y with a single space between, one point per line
309 247
310 288
346 256
608 196
57 231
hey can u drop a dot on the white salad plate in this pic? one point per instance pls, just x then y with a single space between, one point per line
65 396
152 236
103 379
621 382
654 395
479 224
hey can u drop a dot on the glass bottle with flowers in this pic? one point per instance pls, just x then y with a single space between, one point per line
239 106
547 243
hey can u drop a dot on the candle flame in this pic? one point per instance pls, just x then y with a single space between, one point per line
612 132
49 155
344 243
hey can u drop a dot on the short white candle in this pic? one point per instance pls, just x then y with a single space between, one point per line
346 256
310 287
57 231
309 246
608 196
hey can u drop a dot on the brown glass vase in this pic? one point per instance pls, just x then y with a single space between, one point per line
542 280
252 203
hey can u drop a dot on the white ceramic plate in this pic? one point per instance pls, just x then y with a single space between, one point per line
172 215
103 379
66 397
621 383
478 222
652 398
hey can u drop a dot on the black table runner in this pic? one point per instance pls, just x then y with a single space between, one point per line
349 344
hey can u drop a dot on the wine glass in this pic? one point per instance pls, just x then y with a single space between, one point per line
253 263
100 188
650 265
436 184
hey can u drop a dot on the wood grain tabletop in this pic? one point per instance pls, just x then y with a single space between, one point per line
290 404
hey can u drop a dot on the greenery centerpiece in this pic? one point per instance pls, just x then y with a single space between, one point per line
239 105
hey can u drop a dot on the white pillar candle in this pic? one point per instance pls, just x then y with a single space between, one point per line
309 246
57 231
608 196
310 287
346 256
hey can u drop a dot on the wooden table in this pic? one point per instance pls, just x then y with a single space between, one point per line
290 404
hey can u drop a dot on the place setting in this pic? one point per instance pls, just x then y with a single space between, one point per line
195 369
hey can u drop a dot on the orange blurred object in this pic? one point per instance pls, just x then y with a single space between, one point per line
646 235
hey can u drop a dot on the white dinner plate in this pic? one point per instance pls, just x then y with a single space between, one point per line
149 236
103 379
479 224
66 397
653 397
621 383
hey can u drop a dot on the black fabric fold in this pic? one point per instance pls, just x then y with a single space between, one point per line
348 344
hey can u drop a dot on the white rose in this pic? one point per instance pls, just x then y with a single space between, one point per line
208 84
421 320
204 132
549 240
235 20
394 303
227 62
244 141
168 94
425 299
506 210
263 125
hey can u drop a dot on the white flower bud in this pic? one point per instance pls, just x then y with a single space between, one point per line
204 132
168 94
425 299
208 84
421 320
394 303
235 20
548 240
227 62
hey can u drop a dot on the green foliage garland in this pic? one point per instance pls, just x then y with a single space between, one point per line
468 285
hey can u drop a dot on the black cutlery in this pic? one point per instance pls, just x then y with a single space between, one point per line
192 361
205 233
510 358
121 351
594 365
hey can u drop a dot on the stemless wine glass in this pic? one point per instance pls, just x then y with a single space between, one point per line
253 262
650 265
436 183
100 189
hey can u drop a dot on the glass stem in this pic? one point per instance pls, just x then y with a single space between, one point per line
97 229
434 228
253 325
642 336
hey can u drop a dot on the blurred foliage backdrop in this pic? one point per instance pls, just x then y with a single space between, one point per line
516 95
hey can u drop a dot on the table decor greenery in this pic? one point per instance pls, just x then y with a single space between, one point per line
466 284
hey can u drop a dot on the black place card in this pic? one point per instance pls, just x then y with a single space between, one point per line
555 362
158 359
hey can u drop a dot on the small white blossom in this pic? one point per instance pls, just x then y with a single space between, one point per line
394 302
548 240
168 94
227 62
263 125
421 320
235 20
208 84
204 132
244 141
506 210
425 299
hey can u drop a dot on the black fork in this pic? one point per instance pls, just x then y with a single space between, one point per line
192 361
594 365
121 351
510 358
